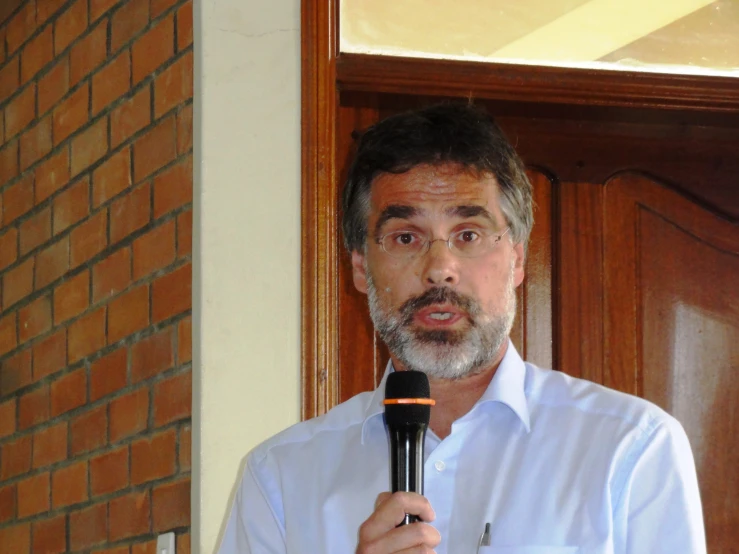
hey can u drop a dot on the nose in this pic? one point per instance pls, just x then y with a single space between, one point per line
440 265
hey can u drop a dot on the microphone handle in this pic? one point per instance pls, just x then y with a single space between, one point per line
406 461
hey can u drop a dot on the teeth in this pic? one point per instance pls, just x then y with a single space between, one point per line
440 315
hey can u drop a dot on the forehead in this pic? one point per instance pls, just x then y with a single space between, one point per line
435 187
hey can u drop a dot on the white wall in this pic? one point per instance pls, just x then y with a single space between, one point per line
246 284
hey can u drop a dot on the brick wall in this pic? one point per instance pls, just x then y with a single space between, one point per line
95 274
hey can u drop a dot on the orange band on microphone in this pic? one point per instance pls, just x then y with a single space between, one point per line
425 401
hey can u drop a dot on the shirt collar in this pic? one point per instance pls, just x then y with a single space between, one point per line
507 387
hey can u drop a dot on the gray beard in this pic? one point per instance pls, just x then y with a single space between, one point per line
443 354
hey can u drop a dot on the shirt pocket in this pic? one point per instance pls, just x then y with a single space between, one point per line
529 549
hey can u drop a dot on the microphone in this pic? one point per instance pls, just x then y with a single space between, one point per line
407 414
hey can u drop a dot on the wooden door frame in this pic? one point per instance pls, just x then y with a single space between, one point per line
326 73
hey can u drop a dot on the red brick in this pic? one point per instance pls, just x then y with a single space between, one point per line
7 503
128 313
90 146
3 15
129 516
184 234
46 8
16 538
33 407
20 111
16 456
171 506
111 82
112 177
88 53
54 85
52 174
71 114
184 340
173 399
108 374
158 7
50 535
152 355
171 294
35 230
130 117
109 472
185 448
88 527
50 445
129 414
69 485
69 391
71 24
9 167
36 54
90 238
184 26
18 199
34 319
89 430
128 21
8 247
173 188
50 355
153 49
149 547
35 143
86 335
18 283
129 213
52 262
111 275
154 250
154 457
9 78
116 550
72 205
71 297
7 417
173 86
184 129
33 495
99 7
8 341
21 26
183 543
155 149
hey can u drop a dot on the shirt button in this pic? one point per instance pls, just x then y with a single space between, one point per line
439 465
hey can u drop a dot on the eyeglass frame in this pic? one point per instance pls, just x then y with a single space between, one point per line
428 242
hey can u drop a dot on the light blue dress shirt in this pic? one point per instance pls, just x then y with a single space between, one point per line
555 464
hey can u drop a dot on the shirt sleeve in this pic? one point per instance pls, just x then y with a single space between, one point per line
661 502
253 526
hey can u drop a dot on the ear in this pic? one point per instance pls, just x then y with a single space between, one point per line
358 273
519 258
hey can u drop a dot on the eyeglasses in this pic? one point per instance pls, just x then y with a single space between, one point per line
467 243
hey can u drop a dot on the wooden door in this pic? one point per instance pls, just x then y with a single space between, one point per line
672 328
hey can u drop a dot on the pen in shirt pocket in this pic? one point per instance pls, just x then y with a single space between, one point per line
484 538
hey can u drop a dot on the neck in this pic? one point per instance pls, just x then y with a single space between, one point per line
456 397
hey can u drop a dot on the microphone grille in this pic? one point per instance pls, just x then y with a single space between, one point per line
407 384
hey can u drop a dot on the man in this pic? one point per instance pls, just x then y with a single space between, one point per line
437 212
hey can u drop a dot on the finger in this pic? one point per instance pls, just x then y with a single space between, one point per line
416 537
391 510
382 497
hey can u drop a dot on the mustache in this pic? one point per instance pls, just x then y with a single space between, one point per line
438 295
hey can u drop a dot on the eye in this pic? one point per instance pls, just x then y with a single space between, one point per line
405 239
468 236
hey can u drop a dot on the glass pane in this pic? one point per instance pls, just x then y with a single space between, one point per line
666 36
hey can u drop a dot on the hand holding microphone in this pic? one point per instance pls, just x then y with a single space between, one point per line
407 415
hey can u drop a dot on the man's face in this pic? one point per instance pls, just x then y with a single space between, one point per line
446 315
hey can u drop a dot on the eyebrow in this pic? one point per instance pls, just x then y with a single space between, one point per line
395 211
399 211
